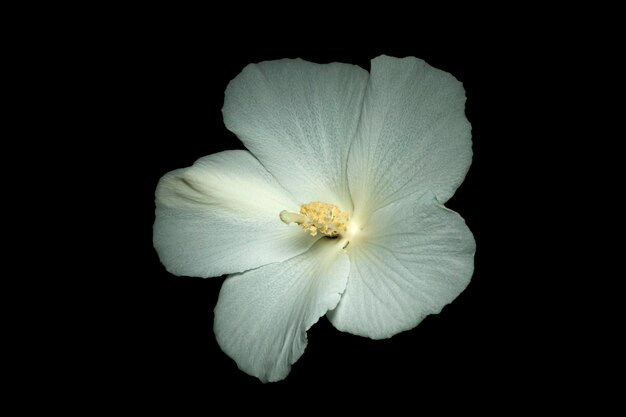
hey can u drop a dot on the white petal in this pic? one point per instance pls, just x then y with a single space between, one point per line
413 134
262 316
222 216
298 119
413 258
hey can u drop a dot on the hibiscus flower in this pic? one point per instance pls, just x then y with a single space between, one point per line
336 208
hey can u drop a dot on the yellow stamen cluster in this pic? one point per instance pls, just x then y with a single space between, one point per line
315 217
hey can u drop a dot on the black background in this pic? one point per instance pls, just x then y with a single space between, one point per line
170 89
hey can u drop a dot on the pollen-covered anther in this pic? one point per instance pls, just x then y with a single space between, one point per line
318 217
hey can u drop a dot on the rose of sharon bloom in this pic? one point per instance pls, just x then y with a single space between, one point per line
336 208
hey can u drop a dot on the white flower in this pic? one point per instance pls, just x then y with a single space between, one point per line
359 166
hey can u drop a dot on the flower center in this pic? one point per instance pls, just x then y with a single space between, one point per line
315 217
